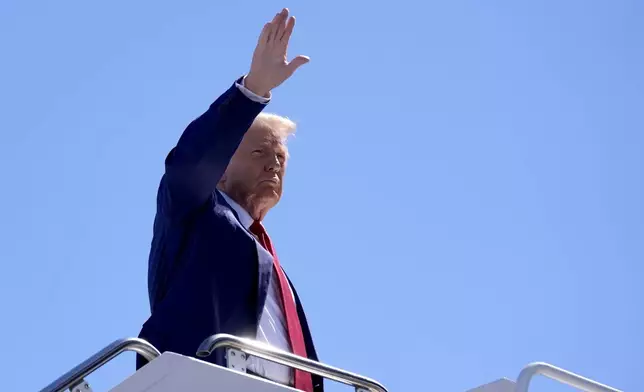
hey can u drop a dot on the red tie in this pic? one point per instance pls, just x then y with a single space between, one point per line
303 380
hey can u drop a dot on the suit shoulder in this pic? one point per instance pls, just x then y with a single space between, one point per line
168 206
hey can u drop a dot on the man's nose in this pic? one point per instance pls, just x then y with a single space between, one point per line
273 164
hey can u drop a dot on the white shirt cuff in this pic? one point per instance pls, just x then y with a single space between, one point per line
251 95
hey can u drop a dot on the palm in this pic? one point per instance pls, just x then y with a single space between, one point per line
270 66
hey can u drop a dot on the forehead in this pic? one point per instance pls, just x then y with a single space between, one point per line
264 136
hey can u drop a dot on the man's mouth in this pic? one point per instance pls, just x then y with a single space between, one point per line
270 180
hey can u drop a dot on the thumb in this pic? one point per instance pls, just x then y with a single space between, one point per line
297 63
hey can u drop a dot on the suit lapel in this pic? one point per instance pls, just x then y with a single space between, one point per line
264 259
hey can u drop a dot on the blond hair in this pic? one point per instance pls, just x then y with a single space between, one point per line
281 126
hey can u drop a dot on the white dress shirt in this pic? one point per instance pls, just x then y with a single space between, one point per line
251 95
272 323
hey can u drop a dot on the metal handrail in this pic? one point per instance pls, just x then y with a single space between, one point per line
561 375
77 374
267 352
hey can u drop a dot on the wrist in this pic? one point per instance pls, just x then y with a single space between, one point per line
256 87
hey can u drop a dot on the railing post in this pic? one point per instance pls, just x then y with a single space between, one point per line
74 379
561 375
264 351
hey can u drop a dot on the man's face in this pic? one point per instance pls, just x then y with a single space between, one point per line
254 175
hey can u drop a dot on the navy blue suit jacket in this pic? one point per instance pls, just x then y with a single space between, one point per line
204 274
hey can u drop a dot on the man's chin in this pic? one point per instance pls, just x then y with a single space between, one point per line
269 193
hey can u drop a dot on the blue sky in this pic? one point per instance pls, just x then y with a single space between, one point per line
465 193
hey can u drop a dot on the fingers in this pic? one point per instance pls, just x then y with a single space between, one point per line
297 63
286 35
271 30
278 25
263 36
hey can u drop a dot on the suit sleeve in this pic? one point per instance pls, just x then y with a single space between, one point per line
196 164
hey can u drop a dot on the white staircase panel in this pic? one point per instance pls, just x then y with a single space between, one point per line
173 372
500 385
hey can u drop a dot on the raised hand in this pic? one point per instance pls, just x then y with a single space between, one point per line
270 67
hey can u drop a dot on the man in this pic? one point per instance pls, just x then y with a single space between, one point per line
212 267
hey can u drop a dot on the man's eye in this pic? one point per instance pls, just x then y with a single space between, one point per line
257 152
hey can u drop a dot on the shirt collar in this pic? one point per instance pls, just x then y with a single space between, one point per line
244 217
